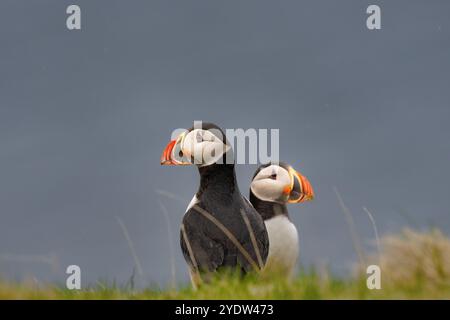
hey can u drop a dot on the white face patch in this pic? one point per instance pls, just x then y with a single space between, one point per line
269 184
203 147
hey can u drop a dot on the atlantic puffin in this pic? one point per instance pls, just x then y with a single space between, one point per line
273 186
220 228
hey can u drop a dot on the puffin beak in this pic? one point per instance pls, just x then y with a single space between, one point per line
169 157
166 157
300 189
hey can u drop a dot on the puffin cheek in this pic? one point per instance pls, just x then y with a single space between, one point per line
197 153
193 151
267 189
212 152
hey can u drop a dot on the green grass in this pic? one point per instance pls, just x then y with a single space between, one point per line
414 265
228 286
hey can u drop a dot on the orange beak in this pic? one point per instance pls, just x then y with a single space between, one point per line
166 157
173 155
300 190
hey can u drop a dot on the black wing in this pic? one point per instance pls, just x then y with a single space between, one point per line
262 239
207 248
204 254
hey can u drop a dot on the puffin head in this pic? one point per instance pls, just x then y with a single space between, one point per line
201 145
280 183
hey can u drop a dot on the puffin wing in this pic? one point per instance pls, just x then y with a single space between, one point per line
260 233
200 251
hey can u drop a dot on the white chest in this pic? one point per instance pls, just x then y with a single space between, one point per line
193 202
283 244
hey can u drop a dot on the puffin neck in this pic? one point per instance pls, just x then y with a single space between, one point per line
216 178
268 209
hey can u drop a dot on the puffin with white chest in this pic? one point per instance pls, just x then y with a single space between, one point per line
220 228
273 186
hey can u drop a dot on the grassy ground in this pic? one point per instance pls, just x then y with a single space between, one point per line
415 265
232 287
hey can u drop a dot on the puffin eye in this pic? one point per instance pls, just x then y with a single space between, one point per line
273 176
178 152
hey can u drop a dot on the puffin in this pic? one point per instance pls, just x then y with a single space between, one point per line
220 228
273 186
